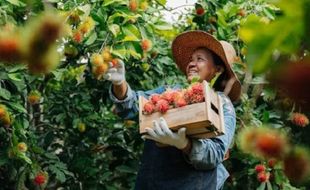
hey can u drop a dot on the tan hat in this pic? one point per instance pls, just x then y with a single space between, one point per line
186 43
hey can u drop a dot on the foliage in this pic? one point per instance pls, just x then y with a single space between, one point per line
72 134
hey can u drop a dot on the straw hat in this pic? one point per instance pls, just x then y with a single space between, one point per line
184 46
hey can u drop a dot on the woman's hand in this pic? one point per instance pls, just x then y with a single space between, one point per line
162 134
116 74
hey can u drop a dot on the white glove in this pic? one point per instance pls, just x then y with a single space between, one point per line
116 74
162 134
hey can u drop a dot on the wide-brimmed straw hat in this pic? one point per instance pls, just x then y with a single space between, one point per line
186 43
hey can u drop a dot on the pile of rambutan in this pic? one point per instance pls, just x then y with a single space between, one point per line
174 98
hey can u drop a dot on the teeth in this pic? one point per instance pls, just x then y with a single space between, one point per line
193 73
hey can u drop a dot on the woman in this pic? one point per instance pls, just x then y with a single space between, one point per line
186 163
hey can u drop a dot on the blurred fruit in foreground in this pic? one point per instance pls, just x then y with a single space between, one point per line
297 165
263 142
46 63
10 47
293 79
35 43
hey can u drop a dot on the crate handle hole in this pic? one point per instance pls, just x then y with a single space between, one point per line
214 108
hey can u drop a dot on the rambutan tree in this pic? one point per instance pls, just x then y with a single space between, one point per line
57 123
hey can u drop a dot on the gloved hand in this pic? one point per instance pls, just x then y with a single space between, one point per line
162 134
116 74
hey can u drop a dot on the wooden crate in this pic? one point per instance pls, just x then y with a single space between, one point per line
202 120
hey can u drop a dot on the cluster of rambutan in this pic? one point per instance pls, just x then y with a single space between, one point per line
83 29
174 98
265 172
262 174
263 142
100 62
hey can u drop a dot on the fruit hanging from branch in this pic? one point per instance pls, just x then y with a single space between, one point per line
34 97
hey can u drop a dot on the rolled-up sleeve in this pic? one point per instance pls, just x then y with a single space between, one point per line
128 107
208 153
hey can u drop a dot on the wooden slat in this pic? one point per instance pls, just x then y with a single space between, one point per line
214 98
221 115
176 117
207 90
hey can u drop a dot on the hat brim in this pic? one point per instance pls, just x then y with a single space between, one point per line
186 43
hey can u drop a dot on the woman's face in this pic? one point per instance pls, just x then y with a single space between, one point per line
201 65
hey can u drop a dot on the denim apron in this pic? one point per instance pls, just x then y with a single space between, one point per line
165 168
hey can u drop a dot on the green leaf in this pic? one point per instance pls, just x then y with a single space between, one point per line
221 18
109 2
86 10
131 30
120 51
269 94
18 107
91 39
3 161
269 187
162 2
262 186
17 3
126 169
23 156
21 180
15 76
115 29
163 26
60 176
5 94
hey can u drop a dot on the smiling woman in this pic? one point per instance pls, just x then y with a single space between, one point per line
203 65
186 163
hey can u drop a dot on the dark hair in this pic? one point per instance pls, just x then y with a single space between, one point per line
219 84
